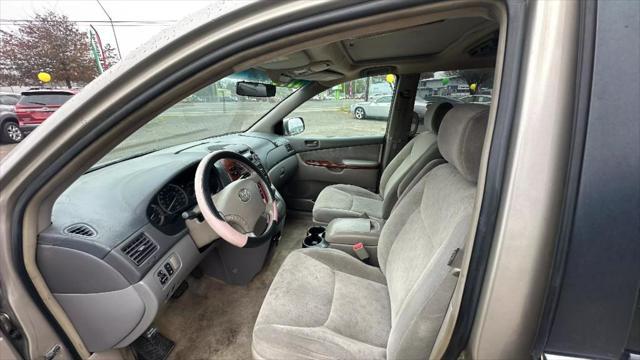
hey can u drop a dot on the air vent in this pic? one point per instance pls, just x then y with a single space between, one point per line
288 147
139 249
81 230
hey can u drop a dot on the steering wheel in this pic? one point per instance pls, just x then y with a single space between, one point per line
242 203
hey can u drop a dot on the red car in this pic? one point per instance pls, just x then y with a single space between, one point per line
35 106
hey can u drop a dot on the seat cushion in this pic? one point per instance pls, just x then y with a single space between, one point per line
346 201
324 304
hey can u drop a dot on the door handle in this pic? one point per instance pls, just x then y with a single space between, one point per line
311 143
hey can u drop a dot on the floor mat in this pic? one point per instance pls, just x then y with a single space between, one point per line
213 320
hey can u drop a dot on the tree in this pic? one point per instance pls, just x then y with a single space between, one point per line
482 77
110 55
50 43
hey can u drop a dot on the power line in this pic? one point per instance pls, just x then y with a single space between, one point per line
100 21
121 23
112 28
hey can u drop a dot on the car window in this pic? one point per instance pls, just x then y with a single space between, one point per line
354 108
211 111
8 100
44 99
453 86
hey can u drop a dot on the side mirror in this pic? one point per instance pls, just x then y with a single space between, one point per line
293 126
254 89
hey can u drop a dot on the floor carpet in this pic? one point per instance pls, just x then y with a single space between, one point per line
213 320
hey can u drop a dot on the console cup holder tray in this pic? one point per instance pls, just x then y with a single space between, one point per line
315 237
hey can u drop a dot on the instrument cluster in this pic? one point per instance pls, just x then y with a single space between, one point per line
178 195
167 205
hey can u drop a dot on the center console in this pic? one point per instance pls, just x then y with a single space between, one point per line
343 234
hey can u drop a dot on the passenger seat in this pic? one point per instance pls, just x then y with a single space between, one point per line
349 201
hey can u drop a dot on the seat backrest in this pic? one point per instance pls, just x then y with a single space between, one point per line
413 157
425 228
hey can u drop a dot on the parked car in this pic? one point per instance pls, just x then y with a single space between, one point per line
437 99
378 107
477 99
8 120
35 106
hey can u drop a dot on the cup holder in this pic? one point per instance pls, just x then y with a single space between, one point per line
316 230
315 238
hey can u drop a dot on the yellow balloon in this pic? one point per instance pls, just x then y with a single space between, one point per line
390 78
44 77
473 87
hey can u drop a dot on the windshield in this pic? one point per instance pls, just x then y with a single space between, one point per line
212 111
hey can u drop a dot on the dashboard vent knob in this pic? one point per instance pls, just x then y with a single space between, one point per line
81 230
139 249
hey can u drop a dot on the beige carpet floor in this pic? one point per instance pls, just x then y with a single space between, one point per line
213 320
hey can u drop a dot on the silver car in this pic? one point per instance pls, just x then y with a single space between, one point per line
379 107
10 131
477 99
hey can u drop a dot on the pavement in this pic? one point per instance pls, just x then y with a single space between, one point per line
187 122
4 149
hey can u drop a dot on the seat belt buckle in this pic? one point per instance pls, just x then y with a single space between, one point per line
455 262
360 250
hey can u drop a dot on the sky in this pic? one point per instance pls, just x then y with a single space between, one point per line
136 21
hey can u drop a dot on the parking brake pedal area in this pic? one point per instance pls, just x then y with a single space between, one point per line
152 346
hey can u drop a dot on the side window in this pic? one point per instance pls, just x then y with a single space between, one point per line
355 108
454 87
8 100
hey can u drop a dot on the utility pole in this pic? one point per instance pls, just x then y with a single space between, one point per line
112 28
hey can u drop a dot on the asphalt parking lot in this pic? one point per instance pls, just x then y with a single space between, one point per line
4 149
189 122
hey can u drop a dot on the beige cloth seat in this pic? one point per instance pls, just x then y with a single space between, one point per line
349 201
325 304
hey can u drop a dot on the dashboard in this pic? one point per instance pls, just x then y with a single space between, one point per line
117 247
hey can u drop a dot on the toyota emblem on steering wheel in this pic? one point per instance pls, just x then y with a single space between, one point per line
244 195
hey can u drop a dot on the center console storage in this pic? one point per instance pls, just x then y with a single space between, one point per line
342 234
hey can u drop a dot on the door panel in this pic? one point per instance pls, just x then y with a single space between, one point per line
328 161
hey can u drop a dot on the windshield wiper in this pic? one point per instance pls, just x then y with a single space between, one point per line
37 103
115 161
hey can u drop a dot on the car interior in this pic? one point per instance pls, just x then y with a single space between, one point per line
275 242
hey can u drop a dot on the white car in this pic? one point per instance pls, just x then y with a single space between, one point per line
477 99
378 108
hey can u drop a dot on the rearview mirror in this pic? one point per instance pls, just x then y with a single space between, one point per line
293 126
254 89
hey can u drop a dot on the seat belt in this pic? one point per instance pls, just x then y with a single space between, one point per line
400 121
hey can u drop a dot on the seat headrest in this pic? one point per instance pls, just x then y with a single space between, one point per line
435 114
461 138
